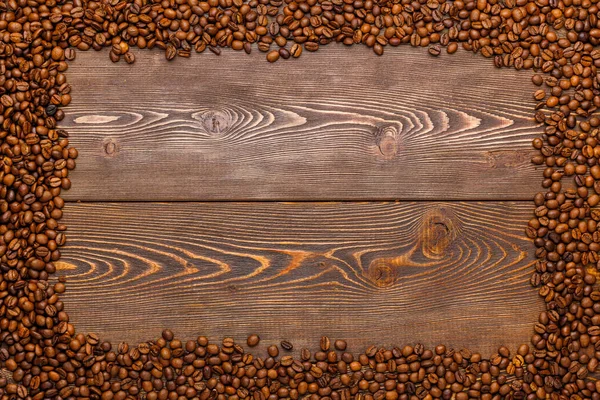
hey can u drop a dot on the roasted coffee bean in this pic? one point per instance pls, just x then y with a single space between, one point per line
284 53
325 343
296 50
170 52
69 54
51 110
340 345
129 58
435 50
253 340
273 351
273 56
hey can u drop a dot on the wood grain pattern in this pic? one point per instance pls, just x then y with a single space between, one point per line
385 273
340 124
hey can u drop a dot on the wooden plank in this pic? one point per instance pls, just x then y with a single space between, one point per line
339 124
385 273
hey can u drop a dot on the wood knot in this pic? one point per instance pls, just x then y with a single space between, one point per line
232 288
215 122
438 231
110 147
386 139
381 273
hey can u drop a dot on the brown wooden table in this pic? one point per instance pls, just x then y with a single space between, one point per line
377 199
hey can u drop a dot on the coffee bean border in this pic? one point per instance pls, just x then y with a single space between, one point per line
44 356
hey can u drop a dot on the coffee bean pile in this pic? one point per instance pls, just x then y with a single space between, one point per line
45 358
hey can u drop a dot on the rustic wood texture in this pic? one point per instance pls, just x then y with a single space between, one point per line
338 124
385 273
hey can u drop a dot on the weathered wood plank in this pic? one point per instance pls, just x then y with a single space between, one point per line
339 124
385 273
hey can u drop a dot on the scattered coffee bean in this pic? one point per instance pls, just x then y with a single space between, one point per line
253 340
325 343
273 351
296 50
340 345
435 50
273 56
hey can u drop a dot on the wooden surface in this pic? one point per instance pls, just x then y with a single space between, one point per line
387 272
341 124
338 124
